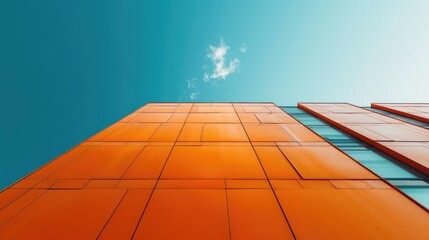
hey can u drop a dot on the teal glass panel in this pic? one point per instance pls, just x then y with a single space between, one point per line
294 110
388 170
365 155
419 194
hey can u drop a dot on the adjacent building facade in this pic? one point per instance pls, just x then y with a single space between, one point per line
231 171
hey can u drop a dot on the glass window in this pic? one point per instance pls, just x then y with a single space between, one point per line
419 194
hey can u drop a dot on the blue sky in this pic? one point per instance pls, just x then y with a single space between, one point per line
70 68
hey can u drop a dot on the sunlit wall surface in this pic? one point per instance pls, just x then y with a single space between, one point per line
400 117
409 180
417 111
207 171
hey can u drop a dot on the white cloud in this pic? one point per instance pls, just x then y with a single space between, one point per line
191 83
222 63
206 77
243 48
193 96
221 68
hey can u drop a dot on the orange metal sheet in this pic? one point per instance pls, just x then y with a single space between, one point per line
302 134
255 184
308 184
64 214
266 144
188 143
205 184
124 220
185 214
275 165
136 183
102 162
354 118
418 111
132 132
238 108
349 184
183 108
213 162
401 132
352 214
223 133
10 210
274 109
191 132
9 195
216 109
285 184
341 108
290 144
212 118
364 132
56 164
248 118
70 184
25 183
268 132
377 184
149 163
325 163
166 133
109 184
315 107
253 109
47 183
415 156
275 118
178 118
338 109
255 214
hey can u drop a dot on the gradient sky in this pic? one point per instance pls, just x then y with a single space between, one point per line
70 68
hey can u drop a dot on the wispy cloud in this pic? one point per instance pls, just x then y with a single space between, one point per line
222 67
206 77
191 83
193 95
243 48
224 63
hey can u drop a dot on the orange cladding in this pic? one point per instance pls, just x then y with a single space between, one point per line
402 140
210 171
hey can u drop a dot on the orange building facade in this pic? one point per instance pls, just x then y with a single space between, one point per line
220 171
418 111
